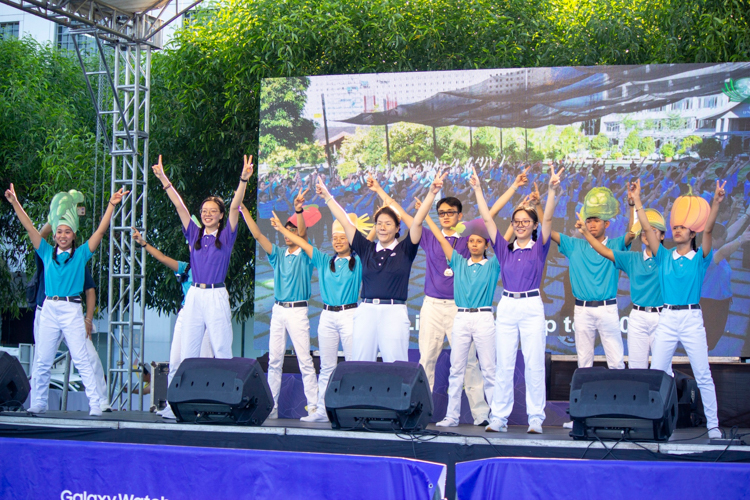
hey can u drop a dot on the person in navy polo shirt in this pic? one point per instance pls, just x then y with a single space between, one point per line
520 312
207 302
64 274
382 321
292 276
681 272
184 275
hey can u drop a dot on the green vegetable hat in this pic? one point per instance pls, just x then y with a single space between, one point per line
601 203
63 211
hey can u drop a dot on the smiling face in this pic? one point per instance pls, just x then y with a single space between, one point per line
64 237
477 245
523 224
211 215
596 227
386 227
340 244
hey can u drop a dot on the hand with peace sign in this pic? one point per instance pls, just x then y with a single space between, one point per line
534 198
372 183
322 190
720 194
554 177
437 184
522 179
299 200
117 196
247 168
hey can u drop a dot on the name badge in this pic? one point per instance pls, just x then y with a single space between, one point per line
448 272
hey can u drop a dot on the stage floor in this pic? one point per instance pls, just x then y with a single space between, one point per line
457 444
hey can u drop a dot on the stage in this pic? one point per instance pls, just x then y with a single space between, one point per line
439 445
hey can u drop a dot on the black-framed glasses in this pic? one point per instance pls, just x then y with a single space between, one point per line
449 213
521 223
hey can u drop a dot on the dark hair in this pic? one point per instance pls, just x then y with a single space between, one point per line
484 254
534 219
719 231
352 263
222 222
183 277
451 202
72 252
390 213
693 244
290 223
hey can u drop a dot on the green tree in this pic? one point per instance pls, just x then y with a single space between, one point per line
689 142
410 143
599 145
667 149
646 146
631 143
734 146
709 147
365 148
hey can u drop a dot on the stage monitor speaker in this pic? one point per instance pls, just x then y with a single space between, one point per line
14 385
637 405
220 391
366 395
689 404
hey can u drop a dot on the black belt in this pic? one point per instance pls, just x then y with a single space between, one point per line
301 303
474 309
212 285
521 295
75 299
682 308
339 308
595 303
383 301
647 309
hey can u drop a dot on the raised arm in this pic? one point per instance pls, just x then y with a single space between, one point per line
708 230
521 180
239 194
595 244
300 242
415 229
489 222
375 187
299 201
653 240
338 213
155 252
182 210
46 230
629 234
731 247
36 238
549 212
114 200
255 230
444 244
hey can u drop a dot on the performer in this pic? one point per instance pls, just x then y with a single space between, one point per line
382 321
520 313
594 280
184 275
206 307
645 288
681 272
339 278
89 290
61 314
292 275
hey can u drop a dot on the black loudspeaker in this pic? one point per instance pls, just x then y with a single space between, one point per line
623 404
689 404
220 391
379 396
14 386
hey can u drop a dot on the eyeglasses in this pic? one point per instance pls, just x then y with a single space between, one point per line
209 212
521 223
449 213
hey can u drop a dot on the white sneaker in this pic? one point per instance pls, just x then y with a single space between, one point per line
714 433
168 413
37 410
105 408
447 422
95 411
568 425
315 417
496 425
535 427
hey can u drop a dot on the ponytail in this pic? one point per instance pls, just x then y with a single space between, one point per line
693 243
352 264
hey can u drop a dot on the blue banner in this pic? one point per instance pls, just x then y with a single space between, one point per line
614 480
73 470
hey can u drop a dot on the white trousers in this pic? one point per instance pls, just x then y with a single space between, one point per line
293 320
606 321
436 321
96 365
523 319
384 327
687 327
641 333
471 329
175 350
62 320
206 311
332 328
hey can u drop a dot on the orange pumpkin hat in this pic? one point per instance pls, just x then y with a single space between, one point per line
690 211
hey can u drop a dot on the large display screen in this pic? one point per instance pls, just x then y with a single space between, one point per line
677 128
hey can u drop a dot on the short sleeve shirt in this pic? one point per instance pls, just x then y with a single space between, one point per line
385 274
682 277
436 283
521 268
645 286
292 274
340 287
64 278
210 264
474 282
592 277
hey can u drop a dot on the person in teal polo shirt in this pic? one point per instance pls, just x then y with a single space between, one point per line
681 272
594 281
64 272
645 288
292 276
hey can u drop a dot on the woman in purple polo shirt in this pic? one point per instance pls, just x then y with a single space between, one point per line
206 307
520 313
